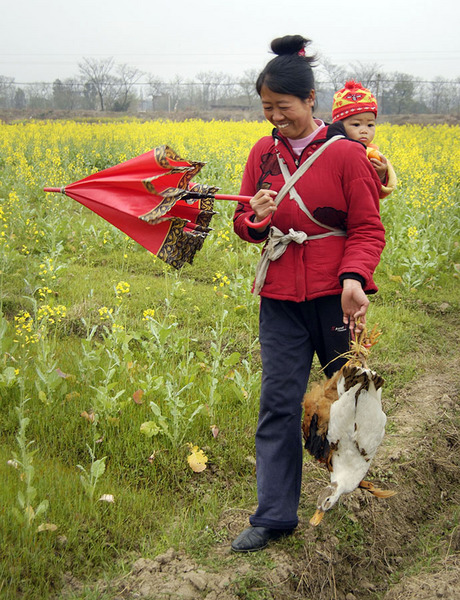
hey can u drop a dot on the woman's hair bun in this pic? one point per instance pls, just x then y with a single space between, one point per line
290 72
289 44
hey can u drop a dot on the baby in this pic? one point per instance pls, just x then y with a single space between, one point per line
356 108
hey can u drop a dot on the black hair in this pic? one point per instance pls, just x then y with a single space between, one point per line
289 72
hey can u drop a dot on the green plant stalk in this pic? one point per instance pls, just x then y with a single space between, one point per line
23 460
89 479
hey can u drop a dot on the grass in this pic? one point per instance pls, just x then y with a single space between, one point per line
158 502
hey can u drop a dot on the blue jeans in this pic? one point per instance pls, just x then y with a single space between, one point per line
290 334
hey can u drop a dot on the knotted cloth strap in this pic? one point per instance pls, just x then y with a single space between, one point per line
275 247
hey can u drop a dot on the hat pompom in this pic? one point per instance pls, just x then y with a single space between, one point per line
352 84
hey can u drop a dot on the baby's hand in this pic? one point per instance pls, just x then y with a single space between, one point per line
381 166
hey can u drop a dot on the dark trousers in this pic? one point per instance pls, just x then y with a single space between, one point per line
290 334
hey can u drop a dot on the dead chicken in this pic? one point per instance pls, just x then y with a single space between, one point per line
344 424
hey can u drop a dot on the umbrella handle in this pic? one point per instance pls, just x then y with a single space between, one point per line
245 199
259 225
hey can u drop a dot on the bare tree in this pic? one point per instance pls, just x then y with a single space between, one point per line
190 94
334 77
7 91
437 97
334 74
67 94
451 99
175 93
456 98
205 78
227 87
99 74
127 78
397 93
19 100
39 95
156 89
89 96
247 85
366 73
215 86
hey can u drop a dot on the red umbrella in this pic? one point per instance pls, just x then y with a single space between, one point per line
152 200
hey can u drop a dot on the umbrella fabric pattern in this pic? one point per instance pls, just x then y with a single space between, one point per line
152 199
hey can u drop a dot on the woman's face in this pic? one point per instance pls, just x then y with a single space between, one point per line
291 115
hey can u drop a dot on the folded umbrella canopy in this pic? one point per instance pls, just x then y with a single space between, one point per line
152 199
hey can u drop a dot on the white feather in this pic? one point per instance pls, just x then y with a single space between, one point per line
356 427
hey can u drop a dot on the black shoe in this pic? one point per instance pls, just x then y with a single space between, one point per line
256 538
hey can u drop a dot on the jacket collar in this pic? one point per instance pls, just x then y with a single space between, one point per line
322 136
325 134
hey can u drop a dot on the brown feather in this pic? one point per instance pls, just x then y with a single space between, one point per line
317 408
318 401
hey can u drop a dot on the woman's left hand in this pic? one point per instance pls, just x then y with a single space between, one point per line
354 304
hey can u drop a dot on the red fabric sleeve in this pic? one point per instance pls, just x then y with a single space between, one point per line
249 188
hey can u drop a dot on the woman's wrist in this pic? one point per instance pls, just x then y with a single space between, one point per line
351 277
350 283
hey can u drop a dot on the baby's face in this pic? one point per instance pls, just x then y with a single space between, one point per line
360 127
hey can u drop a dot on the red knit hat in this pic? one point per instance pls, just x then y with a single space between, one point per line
351 100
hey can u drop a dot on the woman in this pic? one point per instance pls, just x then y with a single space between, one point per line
324 241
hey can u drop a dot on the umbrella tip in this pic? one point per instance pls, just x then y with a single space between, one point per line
55 189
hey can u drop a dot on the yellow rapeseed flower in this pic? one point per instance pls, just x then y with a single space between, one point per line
148 314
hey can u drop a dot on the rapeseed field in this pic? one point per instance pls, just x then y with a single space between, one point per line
123 381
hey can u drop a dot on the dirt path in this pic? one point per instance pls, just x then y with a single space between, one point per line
376 541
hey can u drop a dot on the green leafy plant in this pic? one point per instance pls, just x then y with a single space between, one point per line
217 363
90 477
176 415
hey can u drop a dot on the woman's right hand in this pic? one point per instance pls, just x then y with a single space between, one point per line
263 204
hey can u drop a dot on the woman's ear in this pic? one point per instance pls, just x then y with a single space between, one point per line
312 98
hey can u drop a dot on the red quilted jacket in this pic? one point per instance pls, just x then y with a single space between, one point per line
340 189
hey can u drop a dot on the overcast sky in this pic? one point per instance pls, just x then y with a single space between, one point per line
42 41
